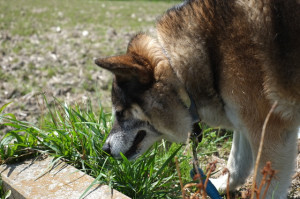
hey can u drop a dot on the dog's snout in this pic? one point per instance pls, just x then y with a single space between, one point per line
106 148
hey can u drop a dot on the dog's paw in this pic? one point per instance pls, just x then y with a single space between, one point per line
220 183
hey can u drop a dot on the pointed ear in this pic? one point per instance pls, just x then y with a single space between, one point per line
127 67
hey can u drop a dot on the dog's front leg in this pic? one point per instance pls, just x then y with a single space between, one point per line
239 164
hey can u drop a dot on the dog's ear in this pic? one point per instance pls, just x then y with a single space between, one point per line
128 67
138 64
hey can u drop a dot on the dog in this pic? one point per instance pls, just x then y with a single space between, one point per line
224 62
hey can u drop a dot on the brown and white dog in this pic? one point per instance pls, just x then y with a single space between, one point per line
233 59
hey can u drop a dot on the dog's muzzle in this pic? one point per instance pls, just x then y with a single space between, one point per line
134 146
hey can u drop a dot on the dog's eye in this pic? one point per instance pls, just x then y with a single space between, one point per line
120 114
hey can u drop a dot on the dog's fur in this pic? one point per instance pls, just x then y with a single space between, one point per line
234 58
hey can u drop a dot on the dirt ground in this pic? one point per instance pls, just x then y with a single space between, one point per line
49 47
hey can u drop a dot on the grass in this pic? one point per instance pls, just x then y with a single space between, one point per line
76 135
101 14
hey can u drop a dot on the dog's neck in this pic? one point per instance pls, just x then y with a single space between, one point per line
189 52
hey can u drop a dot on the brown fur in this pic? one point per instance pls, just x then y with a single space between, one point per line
234 58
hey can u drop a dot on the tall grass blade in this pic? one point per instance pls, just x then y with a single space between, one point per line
167 161
4 106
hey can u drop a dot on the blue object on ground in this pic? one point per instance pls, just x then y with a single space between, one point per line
210 189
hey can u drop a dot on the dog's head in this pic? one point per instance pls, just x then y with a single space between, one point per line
148 100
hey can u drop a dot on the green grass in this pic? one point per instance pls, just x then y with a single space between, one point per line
76 135
20 15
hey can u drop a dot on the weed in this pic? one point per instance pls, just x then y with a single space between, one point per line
268 167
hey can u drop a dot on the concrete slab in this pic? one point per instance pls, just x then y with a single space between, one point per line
35 180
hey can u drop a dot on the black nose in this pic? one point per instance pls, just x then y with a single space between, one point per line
106 148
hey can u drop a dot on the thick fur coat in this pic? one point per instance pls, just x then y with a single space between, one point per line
234 59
